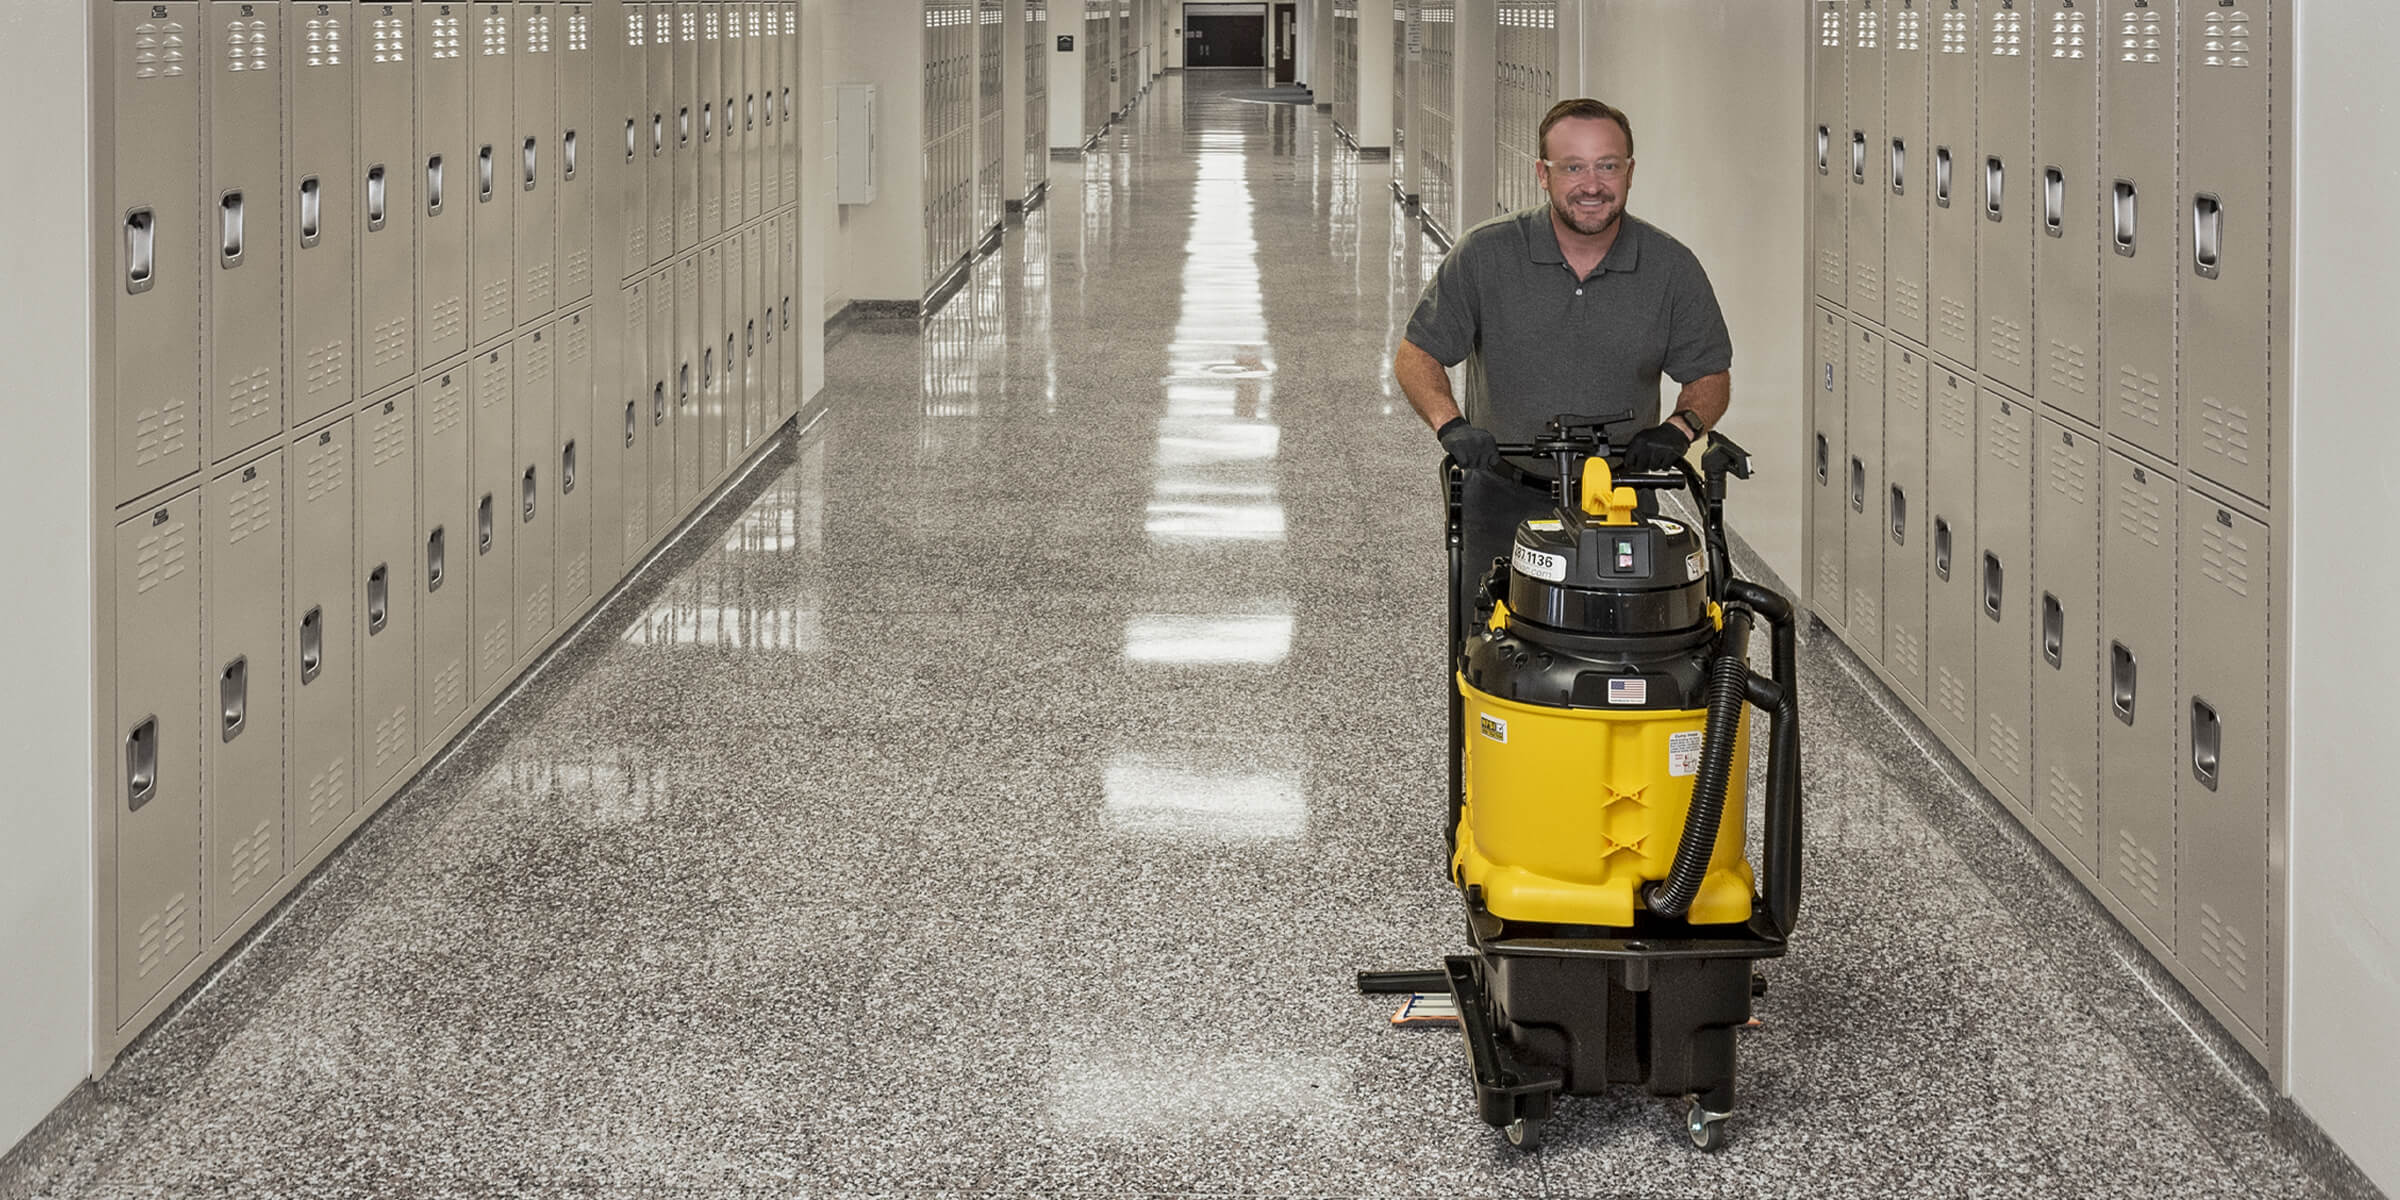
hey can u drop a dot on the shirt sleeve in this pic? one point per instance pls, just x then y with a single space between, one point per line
1697 343
1450 316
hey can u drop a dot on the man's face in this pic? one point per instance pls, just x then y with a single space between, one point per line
1579 151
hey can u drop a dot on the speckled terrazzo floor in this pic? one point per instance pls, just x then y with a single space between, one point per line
996 793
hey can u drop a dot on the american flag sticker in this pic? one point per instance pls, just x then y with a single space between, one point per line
1628 691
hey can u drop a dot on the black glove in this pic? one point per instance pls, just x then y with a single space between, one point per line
1656 448
1472 447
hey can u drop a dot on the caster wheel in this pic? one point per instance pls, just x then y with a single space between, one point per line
1707 1128
1525 1133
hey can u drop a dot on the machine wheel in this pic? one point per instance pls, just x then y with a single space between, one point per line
1707 1128
1525 1133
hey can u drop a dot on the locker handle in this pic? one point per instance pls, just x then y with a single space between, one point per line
750 111
1824 460
233 699
1899 167
728 116
483 176
377 199
632 419
566 154
566 470
708 121
141 250
683 126
1995 186
141 764
379 598
708 367
2123 674
658 134
433 186
658 403
532 157
530 488
787 314
2054 631
483 525
683 384
2127 210
2054 202
230 229
750 339
1858 156
1941 176
631 145
1858 485
434 560
787 104
1899 516
2208 235
312 645
1992 585
312 212
2208 733
770 322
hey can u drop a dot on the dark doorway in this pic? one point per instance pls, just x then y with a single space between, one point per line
1225 39
1287 42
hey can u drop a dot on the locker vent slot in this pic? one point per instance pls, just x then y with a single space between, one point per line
2208 733
2125 213
449 686
393 743
2141 39
141 764
324 36
329 791
1954 320
326 368
233 699
2069 807
579 574
448 41
2123 681
2208 235
2138 869
537 607
249 396
388 441
2225 557
249 510
2225 43
1906 650
158 50
2070 473
2070 367
2008 34
251 857
161 555
2141 397
312 645
388 39
2224 430
493 663
1955 697
328 469
2225 948
2068 34
2003 744
246 45
447 319
159 943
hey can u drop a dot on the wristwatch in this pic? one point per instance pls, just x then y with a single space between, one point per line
1692 421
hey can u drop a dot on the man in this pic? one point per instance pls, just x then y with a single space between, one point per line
1571 307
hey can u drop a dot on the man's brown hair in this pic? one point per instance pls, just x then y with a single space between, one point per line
1587 109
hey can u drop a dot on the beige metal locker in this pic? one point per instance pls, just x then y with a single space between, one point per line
2140 271
446 180
573 237
1903 510
770 330
323 677
1831 184
632 106
690 389
2139 727
2228 161
387 181
2005 188
789 318
1901 162
661 159
495 170
770 109
1863 152
155 793
1828 497
572 445
715 365
2221 810
755 121
492 585
446 550
1862 491
2004 561
1954 597
154 306
2066 246
755 347
533 154
643 396
243 747
689 124
668 403
710 60
244 200
2066 665
387 585
321 209
790 124
1956 218
529 511
740 112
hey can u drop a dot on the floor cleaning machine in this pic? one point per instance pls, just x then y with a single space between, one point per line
1599 719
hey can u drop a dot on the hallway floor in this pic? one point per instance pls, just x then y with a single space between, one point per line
997 791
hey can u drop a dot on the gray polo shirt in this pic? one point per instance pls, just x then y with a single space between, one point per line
1545 342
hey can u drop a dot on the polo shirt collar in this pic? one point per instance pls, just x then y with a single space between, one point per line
1624 254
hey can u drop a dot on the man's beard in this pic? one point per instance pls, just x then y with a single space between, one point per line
1566 217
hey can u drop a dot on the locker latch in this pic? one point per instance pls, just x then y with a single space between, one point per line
632 415
483 175
434 560
1899 516
658 403
379 598
566 470
2054 631
1899 167
483 525
1858 485
141 250
531 490
630 143
1991 585
312 212
141 764
229 250
2208 235
1941 548
312 645
708 121
1858 156
433 186
233 699
2054 202
2207 740
377 200
1824 460
2122 678
1941 176
2126 211
1995 187
566 155
532 156
658 134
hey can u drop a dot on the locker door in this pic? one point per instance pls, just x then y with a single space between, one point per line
770 110
2139 274
2066 250
770 331
690 391
2066 665
529 498
1901 169
710 60
1954 599
244 206
572 238
532 156
754 341
156 792
633 108
1862 491
1831 191
1952 186
2221 809
572 444
2140 730
446 177
714 365
1862 157
660 158
2005 187
321 214
493 520
2004 558
323 678
688 124
243 745
386 199
445 548
494 170
1904 518
754 122
734 85
155 364
669 435
634 392
791 106
2227 161
387 582
1829 498
790 318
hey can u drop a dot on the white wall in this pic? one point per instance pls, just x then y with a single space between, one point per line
2343 1051
46 610
881 246
1066 76
1714 89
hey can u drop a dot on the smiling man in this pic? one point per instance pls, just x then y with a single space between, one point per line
1573 307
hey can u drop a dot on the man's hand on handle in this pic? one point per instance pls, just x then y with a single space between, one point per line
1473 448
1656 448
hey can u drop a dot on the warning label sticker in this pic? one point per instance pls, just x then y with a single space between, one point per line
1695 564
1493 727
1683 753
